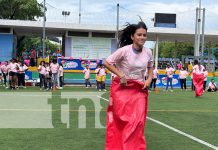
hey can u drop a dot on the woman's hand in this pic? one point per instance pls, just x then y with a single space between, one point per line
147 84
123 80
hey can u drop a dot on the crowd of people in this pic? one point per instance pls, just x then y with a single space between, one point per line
100 77
12 74
182 75
51 75
32 55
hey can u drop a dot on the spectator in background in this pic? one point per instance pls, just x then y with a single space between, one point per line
48 76
182 77
13 67
102 78
58 53
54 55
86 72
33 58
190 67
4 70
61 75
21 74
42 73
24 54
98 77
212 87
205 78
54 70
169 72
216 66
154 78
1 74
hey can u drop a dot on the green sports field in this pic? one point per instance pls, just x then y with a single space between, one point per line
74 119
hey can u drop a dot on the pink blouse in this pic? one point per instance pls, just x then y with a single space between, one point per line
131 63
86 73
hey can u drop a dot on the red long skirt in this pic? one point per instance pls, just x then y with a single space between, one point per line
126 116
198 81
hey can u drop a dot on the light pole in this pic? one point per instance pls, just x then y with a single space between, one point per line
44 19
199 27
65 14
117 34
198 30
79 11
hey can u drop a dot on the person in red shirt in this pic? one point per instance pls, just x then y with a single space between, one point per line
32 57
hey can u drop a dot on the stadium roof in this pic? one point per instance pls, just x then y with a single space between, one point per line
58 29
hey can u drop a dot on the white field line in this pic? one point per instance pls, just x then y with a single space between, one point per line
149 118
103 98
178 131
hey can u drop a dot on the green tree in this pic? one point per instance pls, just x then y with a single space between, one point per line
20 9
172 50
35 42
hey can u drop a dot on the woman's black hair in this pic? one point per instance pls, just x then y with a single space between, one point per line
22 63
128 31
196 62
42 62
15 60
54 61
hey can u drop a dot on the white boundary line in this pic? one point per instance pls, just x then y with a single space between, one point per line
103 98
184 134
177 131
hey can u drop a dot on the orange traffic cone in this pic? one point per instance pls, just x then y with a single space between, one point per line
156 90
54 88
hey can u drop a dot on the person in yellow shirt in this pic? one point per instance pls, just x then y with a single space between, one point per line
98 77
190 66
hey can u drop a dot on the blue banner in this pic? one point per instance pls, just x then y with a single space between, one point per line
78 64
28 75
162 81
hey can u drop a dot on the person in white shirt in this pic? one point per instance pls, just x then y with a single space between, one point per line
205 78
4 70
212 87
13 67
61 76
154 77
182 77
21 74
48 76
169 72
1 74
42 72
86 72
54 66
